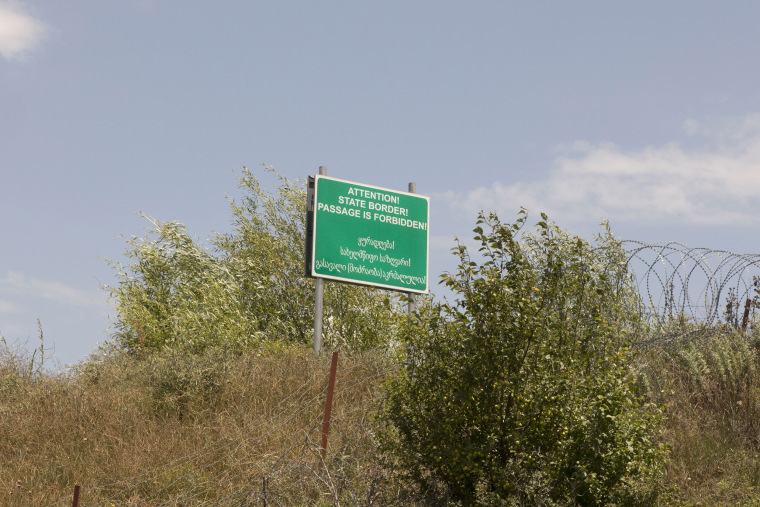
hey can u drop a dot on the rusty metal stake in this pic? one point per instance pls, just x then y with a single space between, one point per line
328 403
76 496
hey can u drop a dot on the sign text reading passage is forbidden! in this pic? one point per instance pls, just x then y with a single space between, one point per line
370 236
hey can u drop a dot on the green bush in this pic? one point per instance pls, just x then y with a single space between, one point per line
176 294
519 391
247 292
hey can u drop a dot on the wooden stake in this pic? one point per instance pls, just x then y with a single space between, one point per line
328 403
76 496
745 320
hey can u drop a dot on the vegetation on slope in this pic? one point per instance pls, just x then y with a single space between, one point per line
520 392
162 426
528 389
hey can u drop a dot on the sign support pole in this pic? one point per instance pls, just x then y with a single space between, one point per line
411 306
319 295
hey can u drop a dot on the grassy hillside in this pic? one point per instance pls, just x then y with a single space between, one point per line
179 429
227 429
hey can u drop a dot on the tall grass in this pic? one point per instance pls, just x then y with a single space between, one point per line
221 428
711 392
182 429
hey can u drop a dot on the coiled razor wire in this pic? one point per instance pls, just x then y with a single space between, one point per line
699 289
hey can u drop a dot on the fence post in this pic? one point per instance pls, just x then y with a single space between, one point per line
76 496
745 320
328 403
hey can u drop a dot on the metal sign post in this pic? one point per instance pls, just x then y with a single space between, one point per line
412 304
319 296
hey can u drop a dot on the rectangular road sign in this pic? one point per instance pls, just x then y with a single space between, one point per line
370 235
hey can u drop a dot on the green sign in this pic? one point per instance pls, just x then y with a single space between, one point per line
370 235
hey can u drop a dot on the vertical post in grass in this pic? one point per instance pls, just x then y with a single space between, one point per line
745 319
328 403
319 295
76 496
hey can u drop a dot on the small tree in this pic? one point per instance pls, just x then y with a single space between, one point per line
519 392
249 290
176 294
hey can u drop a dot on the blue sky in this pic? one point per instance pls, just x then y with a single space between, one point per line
646 113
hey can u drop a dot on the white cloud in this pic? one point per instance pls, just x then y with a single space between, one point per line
717 184
18 285
19 32
10 307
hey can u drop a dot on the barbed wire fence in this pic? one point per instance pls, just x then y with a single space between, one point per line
690 293
699 288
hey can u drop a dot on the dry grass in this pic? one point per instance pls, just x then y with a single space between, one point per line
224 429
711 393
712 463
176 429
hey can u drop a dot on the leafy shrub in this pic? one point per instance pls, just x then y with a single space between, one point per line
519 392
248 292
178 294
